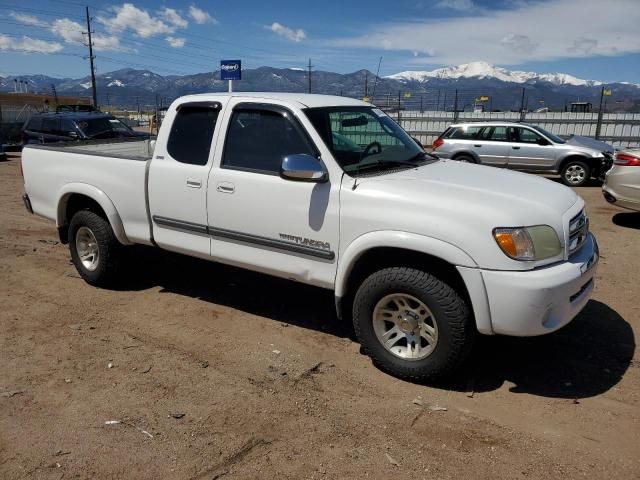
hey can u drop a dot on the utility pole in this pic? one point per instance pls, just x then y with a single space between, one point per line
455 107
310 75
599 121
366 84
375 82
55 94
91 57
522 105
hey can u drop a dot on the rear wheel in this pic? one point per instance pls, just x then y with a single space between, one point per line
575 173
412 324
94 248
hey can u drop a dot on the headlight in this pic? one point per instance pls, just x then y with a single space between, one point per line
528 243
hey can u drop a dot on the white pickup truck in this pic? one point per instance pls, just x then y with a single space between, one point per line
421 253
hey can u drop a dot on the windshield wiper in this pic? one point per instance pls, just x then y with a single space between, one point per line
384 163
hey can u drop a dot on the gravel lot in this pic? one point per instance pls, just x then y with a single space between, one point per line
269 384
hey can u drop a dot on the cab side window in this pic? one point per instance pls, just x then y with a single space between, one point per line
527 136
464 133
258 141
191 134
499 134
66 127
50 125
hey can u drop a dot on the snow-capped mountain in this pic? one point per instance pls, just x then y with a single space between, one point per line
483 70
433 89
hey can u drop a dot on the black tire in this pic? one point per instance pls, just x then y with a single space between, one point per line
575 173
465 159
455 327
109 249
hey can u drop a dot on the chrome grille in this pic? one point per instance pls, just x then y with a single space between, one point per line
578 230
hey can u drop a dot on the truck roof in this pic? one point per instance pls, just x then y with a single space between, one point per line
303 99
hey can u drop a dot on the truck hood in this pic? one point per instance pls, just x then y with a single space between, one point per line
458 203
513 194
586 142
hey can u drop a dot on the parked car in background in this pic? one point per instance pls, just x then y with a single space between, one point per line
525 147
71 126
622 183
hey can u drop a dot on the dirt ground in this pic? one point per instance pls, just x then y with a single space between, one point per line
269 384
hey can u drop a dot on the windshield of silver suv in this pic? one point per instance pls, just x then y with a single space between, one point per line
365 138
549 135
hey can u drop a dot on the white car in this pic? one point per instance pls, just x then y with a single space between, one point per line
622 183
421 253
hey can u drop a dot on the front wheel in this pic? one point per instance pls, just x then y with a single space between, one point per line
94 248
575 173
412 324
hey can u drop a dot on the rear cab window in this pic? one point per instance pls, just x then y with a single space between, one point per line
191 133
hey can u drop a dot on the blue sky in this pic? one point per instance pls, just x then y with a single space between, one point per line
590 39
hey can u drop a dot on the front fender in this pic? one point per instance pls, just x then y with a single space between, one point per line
397 239
100 198
447 252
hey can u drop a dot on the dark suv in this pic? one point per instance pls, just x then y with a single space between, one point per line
70 126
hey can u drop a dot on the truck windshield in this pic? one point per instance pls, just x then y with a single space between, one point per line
549 135
365 138
104 127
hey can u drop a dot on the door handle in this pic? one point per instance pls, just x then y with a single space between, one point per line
194 182
477 145
516 148
226 187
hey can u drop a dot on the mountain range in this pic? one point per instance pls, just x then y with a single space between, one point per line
434 89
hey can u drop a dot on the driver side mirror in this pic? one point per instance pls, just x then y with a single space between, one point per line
303 168
542 141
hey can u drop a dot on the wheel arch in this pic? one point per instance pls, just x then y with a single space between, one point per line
466 153
579 157
378 250
79 196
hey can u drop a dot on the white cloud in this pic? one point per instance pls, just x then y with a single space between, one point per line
130 17
176 42
71 32
28 19
28 45
284 31
200 16
174 18
460 5
541 31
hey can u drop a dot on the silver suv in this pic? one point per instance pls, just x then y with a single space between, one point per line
521 146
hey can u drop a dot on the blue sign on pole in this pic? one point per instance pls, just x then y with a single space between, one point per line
230 69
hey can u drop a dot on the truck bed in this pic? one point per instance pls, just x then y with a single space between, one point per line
115 168
127 148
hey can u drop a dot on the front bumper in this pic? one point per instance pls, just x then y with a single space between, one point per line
543 300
